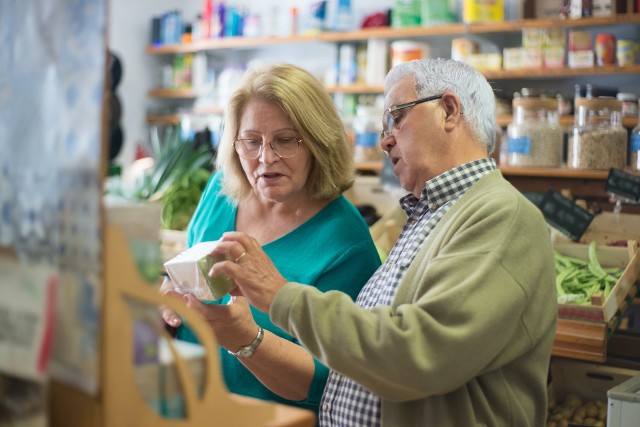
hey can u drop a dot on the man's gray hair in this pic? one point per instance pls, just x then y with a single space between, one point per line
438 75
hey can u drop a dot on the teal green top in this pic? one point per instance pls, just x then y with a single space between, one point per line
333 250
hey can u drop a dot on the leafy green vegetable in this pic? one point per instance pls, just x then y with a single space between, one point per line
175 159
577 280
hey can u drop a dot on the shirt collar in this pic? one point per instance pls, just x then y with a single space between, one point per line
448 185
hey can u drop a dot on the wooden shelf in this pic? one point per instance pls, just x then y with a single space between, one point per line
555 173
171 119
567 121
369 166
356 88
228 43
549 73
159 119
392 33
171 93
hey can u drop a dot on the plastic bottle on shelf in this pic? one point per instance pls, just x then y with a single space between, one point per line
344 16
534 138
598 140
367 127
634 149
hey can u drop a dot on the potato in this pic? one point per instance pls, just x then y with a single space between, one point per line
573 401
592 409
602 413
580 412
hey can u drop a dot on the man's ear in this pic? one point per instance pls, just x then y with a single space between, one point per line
452 109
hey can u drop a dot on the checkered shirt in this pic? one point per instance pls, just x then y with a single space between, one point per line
345 403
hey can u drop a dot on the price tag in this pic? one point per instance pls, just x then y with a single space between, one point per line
623 184
564 215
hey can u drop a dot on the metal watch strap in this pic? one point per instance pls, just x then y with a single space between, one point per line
248 350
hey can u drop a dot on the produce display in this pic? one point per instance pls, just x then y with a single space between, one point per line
573 410
577 280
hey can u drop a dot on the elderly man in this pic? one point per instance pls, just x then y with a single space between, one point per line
456 327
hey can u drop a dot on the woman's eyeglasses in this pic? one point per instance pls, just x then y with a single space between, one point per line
391 121
284 147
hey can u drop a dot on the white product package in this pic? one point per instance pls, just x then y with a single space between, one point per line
189 273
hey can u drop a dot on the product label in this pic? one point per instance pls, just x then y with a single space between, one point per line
367 139
635 142
520 145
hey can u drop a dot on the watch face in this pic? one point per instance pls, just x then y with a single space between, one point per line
246 351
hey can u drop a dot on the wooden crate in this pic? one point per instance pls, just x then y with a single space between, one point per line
608 228
605 310
588 381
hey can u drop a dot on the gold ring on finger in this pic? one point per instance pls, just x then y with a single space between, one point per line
240 257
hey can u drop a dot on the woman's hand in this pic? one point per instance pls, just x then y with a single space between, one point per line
168 316
251 269
232 324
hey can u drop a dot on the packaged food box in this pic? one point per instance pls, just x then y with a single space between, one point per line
189 272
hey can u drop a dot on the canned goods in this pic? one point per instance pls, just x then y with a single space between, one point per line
605 48
461 48
407 50
626 52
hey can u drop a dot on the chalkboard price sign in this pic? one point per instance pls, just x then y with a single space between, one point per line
564 215
623 184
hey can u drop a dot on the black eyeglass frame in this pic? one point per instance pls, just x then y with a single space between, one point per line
388 119
262 147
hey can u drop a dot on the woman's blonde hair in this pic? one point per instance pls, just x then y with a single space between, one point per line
312 113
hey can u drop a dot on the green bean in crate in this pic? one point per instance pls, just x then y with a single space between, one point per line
577 280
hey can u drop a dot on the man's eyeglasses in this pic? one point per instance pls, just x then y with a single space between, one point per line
285 147
391 121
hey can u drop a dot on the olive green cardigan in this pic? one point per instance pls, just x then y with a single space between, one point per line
468 337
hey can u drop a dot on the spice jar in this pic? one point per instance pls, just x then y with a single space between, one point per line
367 126
634 150
534 137
598 140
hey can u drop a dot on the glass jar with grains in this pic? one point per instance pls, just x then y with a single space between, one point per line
598 140
534 137
367 126
634 149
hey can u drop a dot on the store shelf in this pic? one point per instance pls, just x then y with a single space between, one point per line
170 93
171 119
369 166
356 88
158 119
392 33
557 173
227 43
480 28
567 121
564 72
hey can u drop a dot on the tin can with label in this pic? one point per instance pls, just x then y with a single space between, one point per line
626 52
605 49
461 48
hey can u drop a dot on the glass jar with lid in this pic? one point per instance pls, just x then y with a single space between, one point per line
534 137
598 140
634 149
367 126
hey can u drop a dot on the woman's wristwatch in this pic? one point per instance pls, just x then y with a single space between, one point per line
248 350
